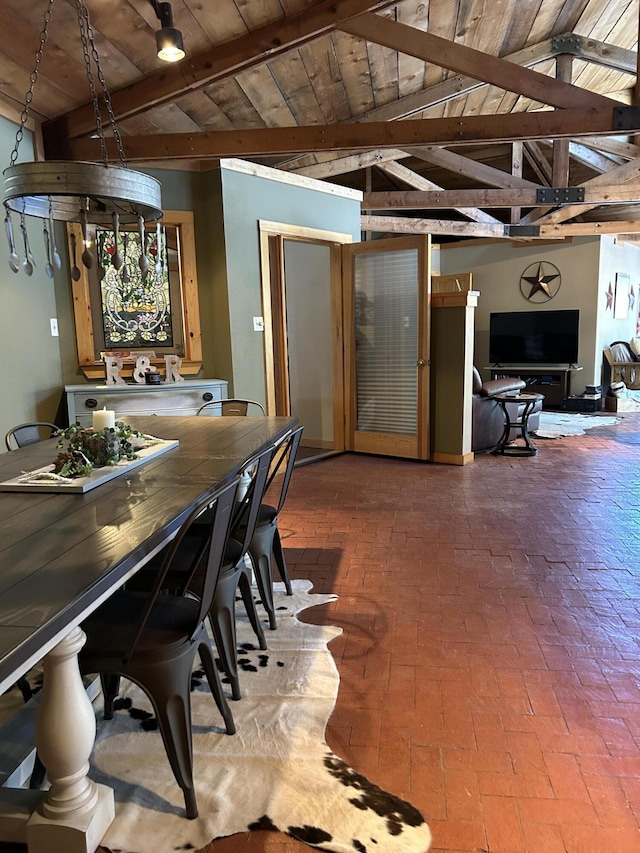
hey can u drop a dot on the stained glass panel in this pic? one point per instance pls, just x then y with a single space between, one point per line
135 301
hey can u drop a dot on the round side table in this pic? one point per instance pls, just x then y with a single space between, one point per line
519 424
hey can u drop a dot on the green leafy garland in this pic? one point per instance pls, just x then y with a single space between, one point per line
82 449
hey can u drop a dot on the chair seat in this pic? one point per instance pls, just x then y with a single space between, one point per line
144 579
267 514
109 630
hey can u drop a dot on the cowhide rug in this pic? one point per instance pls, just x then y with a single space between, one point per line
559 424
275 773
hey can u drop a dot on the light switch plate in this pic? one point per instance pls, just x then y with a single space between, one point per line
54 327
258 324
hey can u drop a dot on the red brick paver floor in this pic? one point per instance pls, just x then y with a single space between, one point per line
490 660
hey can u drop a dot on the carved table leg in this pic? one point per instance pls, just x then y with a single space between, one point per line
76 812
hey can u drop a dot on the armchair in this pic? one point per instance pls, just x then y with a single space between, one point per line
487 414
623 364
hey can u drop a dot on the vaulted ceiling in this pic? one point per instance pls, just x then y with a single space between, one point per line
453 116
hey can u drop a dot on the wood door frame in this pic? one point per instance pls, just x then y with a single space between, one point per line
272 237
396 445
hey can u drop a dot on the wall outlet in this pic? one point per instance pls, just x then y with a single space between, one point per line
258 324
54 327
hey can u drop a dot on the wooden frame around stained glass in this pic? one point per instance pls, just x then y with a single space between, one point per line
186 314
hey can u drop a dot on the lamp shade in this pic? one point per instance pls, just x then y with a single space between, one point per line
170 45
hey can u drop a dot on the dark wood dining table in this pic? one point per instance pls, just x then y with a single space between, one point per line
61 555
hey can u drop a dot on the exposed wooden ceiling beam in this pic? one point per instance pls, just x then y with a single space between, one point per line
452 199
453 87
592 158
397 170
400 134
460 85
538 162
618 174
405 225
517 163
467 60
598 52
454 162
626 150
587 229
350 163
222 60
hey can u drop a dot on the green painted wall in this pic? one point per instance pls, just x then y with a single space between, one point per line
246 199
30 358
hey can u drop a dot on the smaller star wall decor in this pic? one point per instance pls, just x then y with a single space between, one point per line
610 298
632 298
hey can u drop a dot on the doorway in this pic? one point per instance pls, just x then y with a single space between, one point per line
303 327
322 302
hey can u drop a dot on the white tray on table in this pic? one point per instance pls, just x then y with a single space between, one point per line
97 477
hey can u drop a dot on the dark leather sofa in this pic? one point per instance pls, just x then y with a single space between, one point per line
487 414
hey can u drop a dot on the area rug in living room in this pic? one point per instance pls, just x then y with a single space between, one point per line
276 772
559 424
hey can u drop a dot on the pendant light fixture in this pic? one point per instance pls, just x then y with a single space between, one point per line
168 39
71 191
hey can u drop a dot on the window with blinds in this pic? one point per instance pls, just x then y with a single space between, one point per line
386 313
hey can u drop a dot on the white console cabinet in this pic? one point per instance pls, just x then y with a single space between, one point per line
179 398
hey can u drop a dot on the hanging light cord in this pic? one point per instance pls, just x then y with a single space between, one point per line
86 35
90 52
33 80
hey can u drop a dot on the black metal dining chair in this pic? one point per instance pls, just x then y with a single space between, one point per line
265 541
24 434
235 574
233 407
152 638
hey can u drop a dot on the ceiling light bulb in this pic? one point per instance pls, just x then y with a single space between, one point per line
170 46
168 39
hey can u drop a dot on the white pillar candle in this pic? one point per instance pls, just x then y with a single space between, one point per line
104 419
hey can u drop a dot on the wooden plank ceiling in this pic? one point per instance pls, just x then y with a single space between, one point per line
451 115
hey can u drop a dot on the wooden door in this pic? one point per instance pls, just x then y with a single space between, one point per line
386 287
304 352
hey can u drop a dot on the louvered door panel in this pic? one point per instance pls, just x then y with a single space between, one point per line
386 311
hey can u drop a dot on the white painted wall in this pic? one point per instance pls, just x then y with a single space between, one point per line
617 258
587 264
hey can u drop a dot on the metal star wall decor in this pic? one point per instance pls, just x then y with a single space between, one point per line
540 281
609 297
632 298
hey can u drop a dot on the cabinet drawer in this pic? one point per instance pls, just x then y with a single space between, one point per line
179 399
86 418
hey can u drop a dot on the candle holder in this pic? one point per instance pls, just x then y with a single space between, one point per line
83 449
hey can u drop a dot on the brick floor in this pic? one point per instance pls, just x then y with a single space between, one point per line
490 660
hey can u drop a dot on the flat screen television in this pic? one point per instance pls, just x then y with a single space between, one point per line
534 337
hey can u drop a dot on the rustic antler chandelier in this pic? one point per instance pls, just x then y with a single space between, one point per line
88 193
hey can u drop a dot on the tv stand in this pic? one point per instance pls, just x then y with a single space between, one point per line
553 382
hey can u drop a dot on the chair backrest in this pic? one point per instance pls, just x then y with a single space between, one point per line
206 553
24 434
245 514
236 408
286 451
